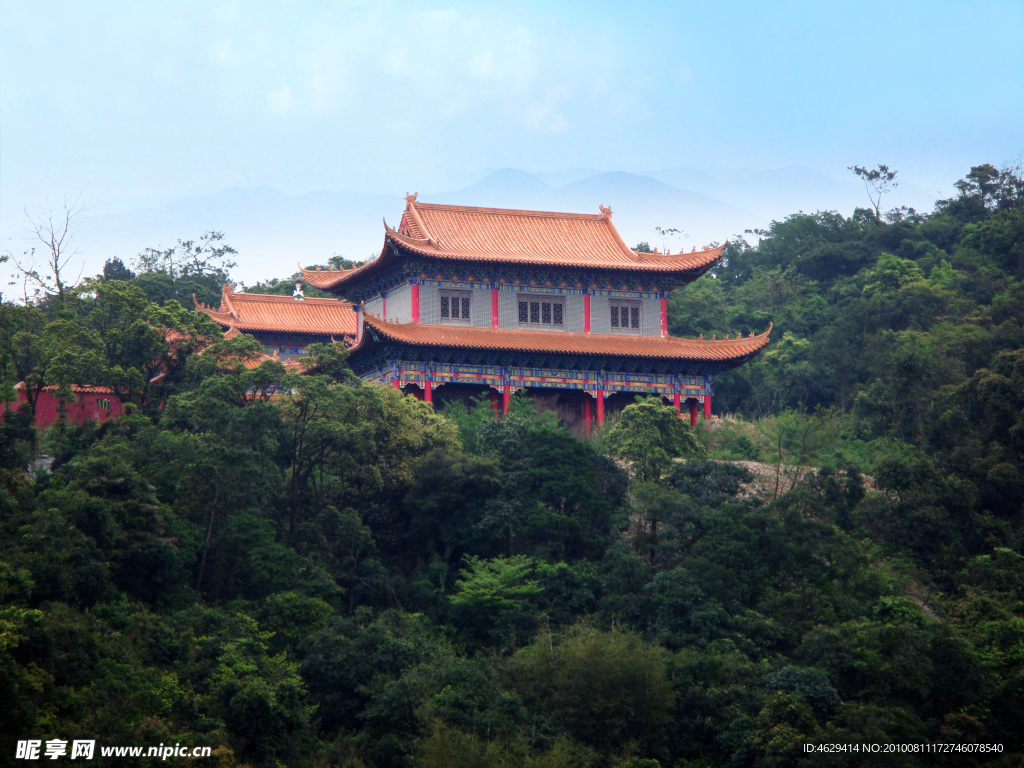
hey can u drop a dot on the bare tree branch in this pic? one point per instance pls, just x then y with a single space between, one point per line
877 182
46 268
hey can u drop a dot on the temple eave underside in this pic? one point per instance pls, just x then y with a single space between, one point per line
400 367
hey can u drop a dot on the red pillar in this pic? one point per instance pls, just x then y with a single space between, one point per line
693 413
586 312
416 302
395 383
506 396
428 391
494 307
588 413
664 317
600 407
678 403
707 407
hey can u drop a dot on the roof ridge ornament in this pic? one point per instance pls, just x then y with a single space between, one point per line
410 204
606 211
225 299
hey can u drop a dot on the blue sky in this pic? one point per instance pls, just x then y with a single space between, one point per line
125 105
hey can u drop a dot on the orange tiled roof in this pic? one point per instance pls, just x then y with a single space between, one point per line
291 365
78 389
620 345
462 233
261 312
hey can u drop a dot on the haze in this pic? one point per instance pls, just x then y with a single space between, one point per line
294 127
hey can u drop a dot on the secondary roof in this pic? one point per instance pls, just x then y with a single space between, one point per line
262 312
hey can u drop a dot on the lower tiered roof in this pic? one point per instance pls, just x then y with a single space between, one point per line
728 351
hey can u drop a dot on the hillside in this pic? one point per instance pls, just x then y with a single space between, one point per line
341 576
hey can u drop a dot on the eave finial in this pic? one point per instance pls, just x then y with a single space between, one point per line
411 199
606 211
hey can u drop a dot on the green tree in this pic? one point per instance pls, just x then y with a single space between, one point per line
607 689
651 435
261 699
493 598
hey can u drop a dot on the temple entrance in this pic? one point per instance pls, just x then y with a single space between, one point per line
569 405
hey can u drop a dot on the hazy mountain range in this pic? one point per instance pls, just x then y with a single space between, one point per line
273 231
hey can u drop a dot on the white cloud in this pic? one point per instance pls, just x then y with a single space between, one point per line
482 64
220 52
544 116
281 100
395 62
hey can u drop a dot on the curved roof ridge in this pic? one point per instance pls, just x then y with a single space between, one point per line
323 278
410 207
225 299
606 214
668 256
216 315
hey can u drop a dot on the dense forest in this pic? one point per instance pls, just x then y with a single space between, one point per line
344 577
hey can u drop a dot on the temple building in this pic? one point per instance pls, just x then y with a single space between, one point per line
284 325
463 301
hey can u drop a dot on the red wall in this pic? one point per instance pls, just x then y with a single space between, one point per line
85 408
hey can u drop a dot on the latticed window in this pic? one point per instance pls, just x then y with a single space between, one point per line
455 306
542 312
625 317
103 404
